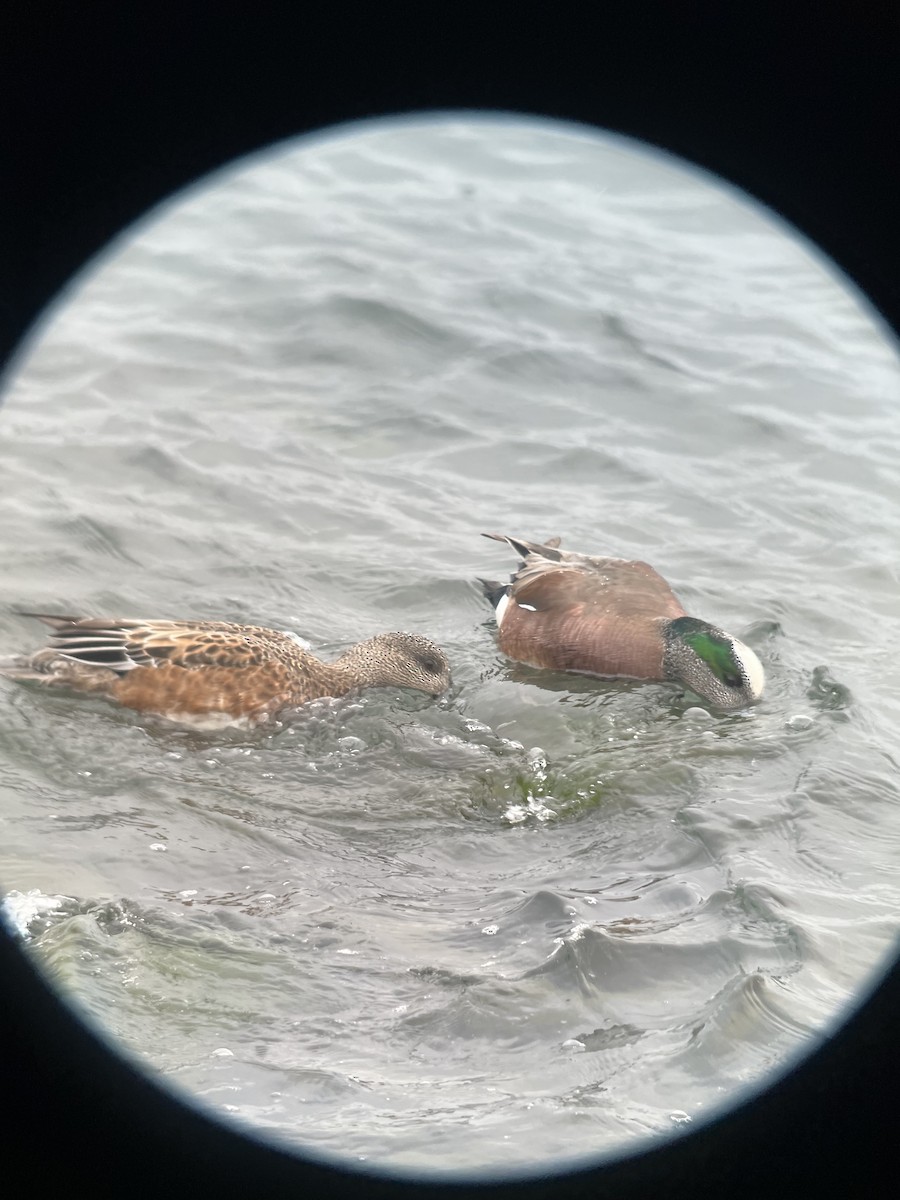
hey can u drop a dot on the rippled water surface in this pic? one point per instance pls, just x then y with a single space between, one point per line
545 915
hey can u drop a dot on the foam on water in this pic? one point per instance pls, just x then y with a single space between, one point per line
22 911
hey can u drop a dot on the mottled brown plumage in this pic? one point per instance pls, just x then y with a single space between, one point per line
195 670
616 618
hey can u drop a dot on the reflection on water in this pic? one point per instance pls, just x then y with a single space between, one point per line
545 912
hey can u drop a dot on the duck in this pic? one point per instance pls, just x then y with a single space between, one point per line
214 673
615 618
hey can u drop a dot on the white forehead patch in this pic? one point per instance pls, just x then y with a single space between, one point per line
751 667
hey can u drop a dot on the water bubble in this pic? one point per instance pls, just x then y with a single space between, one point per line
799 721
696 714
353 744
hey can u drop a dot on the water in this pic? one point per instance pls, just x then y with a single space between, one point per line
545 916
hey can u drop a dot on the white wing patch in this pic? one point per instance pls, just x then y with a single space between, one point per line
503 608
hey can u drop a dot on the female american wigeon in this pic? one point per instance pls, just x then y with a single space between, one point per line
215 672
616 618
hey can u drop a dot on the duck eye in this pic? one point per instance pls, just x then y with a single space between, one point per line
734 681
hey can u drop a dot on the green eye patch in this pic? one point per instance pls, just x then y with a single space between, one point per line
715 651
718 655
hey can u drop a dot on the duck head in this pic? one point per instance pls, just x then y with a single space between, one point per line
398 660
719 668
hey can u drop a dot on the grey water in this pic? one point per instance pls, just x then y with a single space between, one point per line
546 916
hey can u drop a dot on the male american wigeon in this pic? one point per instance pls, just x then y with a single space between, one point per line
615 618
215 672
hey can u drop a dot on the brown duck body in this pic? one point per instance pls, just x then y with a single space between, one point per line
614 617
572 612
197 671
